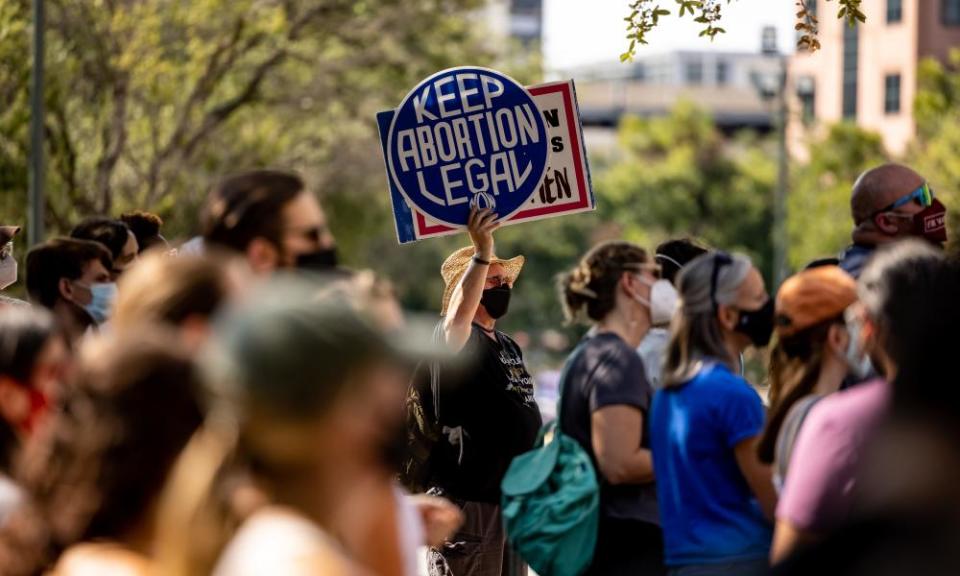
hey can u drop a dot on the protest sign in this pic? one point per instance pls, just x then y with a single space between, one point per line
467 135
565 188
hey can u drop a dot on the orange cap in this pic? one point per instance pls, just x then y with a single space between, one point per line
813 296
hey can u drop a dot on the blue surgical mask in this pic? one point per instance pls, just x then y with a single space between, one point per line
101 304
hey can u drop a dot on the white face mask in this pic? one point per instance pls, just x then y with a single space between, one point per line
663 302
8 269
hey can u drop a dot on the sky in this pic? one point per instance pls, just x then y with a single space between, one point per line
578 32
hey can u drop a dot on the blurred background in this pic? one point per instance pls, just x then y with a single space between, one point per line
149 101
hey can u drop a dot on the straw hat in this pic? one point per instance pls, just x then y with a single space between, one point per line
813 296
455 266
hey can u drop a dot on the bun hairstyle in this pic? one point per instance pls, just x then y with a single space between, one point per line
588 292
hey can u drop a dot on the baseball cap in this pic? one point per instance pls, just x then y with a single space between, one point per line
813 296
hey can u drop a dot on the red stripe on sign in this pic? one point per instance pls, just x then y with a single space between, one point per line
574 138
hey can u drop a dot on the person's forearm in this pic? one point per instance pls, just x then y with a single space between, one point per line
464 303
634 468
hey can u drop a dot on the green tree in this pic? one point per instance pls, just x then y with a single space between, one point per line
148 101
678 175
934 154
818 207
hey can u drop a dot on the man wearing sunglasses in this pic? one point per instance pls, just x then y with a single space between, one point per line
890 203
272 219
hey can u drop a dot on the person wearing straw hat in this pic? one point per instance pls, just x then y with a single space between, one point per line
484 406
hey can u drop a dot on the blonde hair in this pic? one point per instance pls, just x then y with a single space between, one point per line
163 289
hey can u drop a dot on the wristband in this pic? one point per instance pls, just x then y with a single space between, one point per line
480 260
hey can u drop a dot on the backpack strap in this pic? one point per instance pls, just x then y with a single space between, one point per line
787 438
564 375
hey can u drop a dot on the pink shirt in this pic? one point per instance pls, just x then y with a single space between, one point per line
818 491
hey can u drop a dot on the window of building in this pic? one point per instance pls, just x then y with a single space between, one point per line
807 94
891 94
694 72
851 57
950 12
894 11
723 73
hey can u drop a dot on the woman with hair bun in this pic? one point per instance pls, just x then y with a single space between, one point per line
605 397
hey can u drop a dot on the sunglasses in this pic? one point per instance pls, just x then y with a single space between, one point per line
923 196
313 233
654 269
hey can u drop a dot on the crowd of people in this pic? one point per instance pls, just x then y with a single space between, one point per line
243 403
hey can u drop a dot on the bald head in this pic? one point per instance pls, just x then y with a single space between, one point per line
880 187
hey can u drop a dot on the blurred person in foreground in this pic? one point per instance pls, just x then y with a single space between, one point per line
671 255
95 470
478 416
889 203
605 402
906 518
72 279
115 236
813 353
183 291
271 219
307 394
716 498
401 524
8 265
146 228
34 360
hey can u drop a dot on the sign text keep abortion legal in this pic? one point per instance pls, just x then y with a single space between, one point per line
464 132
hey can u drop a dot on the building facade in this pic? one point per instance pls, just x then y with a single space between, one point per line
726 84
868 73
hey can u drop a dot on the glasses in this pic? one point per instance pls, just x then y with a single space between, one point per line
720 260
923 196
653 269
312 233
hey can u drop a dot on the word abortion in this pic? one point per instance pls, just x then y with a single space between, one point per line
472 142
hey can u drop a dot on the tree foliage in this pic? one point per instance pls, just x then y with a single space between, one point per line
677 176
645 15
148 100
937 113
818 207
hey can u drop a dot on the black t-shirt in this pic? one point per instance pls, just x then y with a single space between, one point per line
607 372
489 416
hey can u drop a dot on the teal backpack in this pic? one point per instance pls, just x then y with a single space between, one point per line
551 502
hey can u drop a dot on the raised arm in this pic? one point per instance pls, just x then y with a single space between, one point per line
466 296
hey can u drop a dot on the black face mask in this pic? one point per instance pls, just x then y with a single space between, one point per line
322 260
496 301
757 324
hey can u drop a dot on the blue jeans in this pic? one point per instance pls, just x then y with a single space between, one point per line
757 567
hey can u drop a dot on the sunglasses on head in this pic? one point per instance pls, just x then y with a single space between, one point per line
923 196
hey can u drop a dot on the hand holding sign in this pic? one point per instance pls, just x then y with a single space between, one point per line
467 137
481 225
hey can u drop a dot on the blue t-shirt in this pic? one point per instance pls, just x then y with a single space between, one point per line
707 511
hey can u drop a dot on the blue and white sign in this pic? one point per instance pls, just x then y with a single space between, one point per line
463 136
